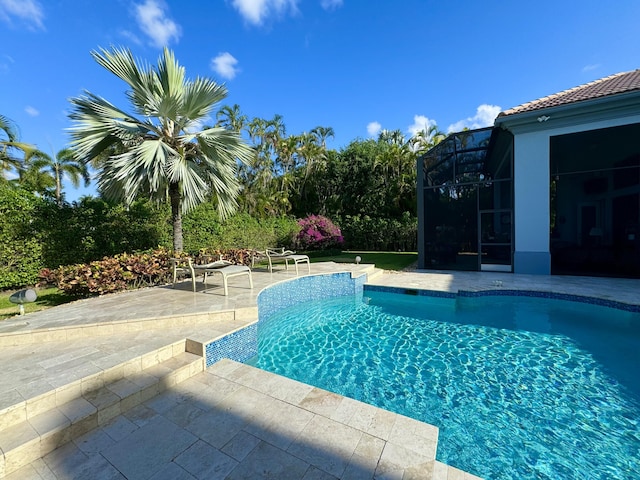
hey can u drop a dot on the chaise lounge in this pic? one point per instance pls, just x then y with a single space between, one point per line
223 267
274 255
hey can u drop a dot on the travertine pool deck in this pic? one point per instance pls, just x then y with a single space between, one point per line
228 421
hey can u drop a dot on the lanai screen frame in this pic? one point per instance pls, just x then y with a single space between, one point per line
467 169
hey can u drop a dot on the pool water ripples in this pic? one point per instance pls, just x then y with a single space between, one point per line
548 401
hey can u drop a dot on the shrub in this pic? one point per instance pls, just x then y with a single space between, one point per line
203 230
20 245
318 233
91 229
128 271
362 232
111 274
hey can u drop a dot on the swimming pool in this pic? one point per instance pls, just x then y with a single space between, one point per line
520 387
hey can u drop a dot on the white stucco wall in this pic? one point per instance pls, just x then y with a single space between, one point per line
531 203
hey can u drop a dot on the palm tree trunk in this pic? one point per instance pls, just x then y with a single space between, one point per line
58 187
176 215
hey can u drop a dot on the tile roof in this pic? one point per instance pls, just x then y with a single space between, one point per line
612 85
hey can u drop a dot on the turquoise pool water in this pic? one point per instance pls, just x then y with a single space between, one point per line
520 387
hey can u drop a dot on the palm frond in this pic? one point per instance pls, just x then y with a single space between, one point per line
200 97
138 75
9 128
170 75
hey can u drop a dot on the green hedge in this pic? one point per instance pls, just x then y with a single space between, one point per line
92 229
36 234
203 230
20 245
362 232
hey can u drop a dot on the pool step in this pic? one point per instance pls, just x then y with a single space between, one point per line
39 426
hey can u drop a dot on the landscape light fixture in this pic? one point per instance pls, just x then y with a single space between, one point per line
23 296
358 260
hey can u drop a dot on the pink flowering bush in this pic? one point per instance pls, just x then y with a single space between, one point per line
318 233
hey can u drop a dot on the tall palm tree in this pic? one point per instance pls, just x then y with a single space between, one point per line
33 179
165 156
231 118
9 146
64 164
321 134
426 139
391 137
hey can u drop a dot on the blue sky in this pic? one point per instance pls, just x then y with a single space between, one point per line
354 65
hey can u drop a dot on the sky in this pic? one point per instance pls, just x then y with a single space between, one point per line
357 66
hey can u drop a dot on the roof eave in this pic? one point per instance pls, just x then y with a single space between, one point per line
543 118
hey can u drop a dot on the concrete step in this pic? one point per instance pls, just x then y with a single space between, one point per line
374 273
53 424
20 407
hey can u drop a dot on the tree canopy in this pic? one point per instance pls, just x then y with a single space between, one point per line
165 153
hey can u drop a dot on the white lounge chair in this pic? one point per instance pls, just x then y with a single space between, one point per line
182 267
286 256
224 268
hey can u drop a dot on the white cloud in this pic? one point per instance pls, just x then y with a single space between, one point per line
256 11
420 122
373 129
32 112
589 68
484 117
29 11
225 65
153 21
331 4
5 63
131 37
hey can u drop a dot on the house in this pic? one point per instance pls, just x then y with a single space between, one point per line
552 188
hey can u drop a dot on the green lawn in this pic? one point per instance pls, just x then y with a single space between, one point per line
47 298
384 260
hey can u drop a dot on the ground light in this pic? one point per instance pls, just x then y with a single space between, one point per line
23 296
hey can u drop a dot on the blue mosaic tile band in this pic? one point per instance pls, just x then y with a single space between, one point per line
513 293
240 346
306 289
243 344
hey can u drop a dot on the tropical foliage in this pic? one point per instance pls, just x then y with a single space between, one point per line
162 170
12 151
112 274
20 243
64 164
125 271
165 154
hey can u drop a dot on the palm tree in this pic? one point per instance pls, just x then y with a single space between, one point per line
426 139
231 118
165 156
321 134
32 179
391 137
64 163
9 144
